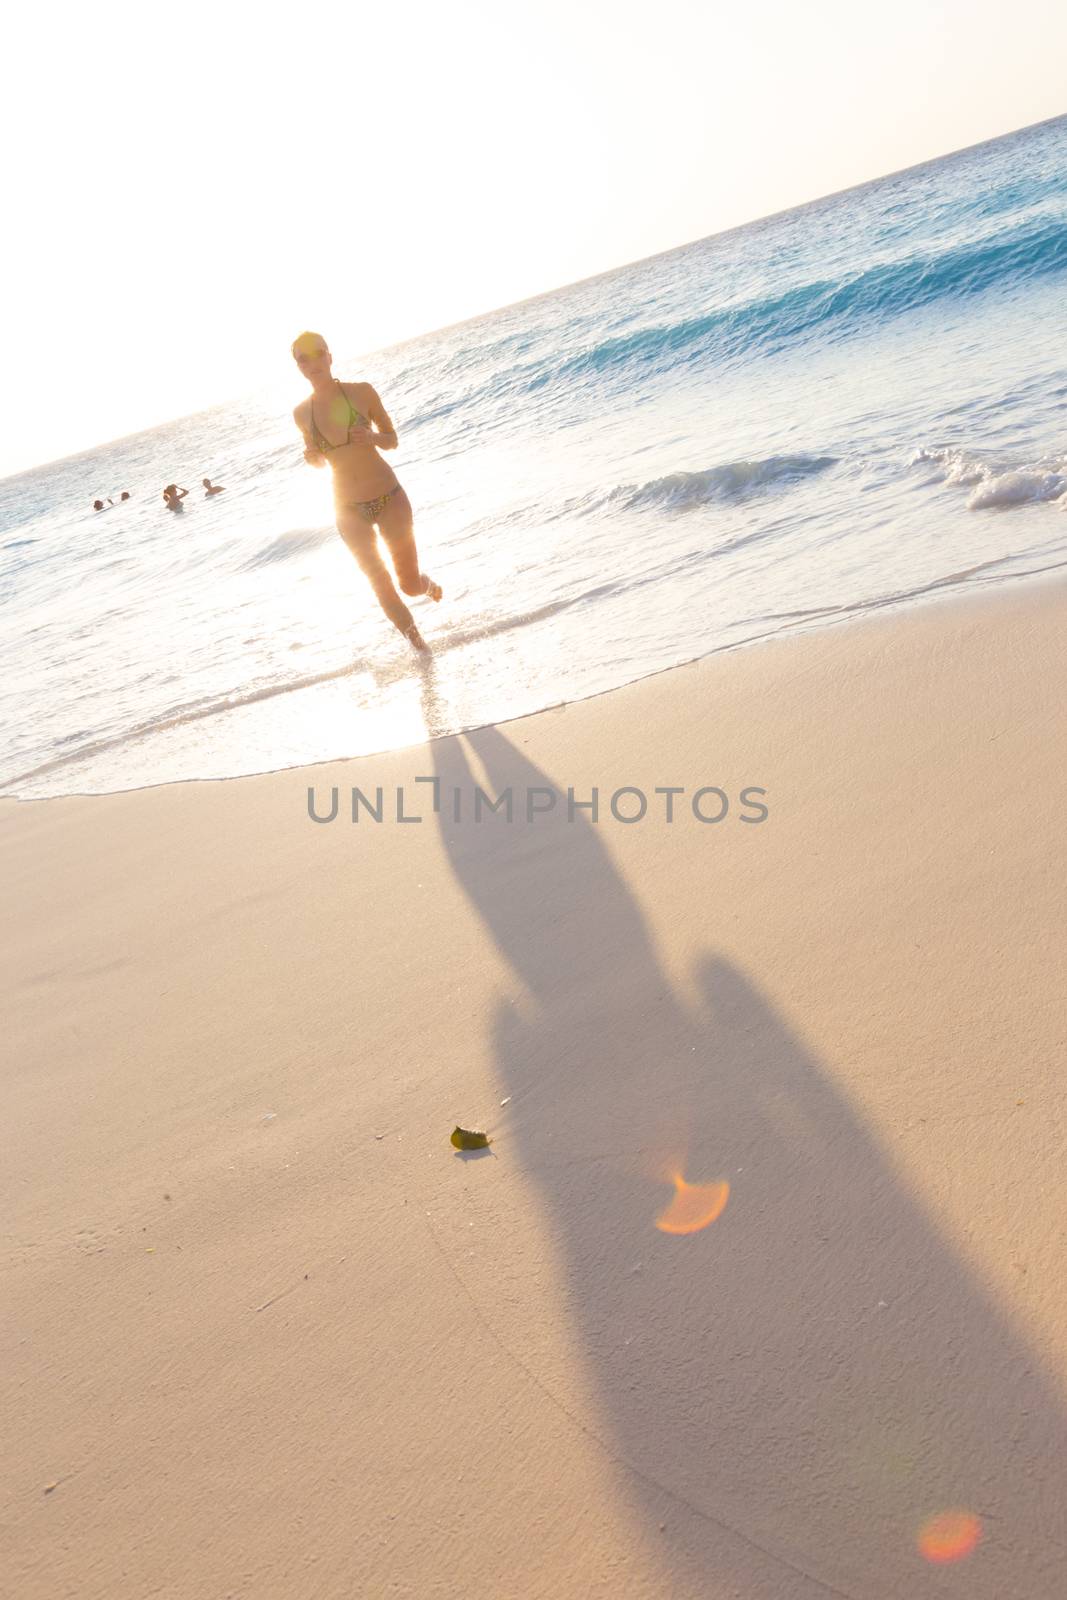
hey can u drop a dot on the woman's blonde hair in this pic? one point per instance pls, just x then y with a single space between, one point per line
304 341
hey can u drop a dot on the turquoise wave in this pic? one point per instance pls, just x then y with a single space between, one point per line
826 308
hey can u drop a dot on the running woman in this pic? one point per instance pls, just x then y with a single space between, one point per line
336 421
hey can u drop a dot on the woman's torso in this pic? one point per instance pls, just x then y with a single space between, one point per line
359 473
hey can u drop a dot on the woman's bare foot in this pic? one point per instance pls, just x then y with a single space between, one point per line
434 590
415 638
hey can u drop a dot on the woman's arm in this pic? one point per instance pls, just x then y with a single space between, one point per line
385 437
313 457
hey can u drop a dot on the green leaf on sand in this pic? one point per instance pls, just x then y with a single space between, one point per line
463 1139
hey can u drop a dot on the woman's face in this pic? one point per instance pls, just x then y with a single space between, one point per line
314 360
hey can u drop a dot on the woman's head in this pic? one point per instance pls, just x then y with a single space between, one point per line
172 488
312 355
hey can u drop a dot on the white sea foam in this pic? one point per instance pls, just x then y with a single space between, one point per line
996 483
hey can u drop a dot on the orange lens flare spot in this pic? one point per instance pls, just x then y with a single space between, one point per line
694 1206
949 1536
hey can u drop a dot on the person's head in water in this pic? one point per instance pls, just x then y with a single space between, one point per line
125 495
98 505
312 355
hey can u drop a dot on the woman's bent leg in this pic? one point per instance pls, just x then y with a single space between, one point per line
360 538
396 527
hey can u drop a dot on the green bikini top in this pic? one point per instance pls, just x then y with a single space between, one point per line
323 445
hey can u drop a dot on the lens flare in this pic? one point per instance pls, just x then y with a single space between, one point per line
694 1205
949 1536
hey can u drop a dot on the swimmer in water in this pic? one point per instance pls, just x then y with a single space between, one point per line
174 497
212 488
336 422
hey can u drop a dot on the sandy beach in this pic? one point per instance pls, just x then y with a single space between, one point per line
267 1335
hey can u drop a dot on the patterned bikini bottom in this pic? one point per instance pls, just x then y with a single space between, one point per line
371 510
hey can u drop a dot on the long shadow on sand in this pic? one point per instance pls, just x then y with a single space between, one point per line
793 1391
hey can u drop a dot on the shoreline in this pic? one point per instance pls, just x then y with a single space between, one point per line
272 1336
871 612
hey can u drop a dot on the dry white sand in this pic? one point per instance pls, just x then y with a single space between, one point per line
266 1335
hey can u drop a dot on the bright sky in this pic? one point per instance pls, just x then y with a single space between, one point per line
187 186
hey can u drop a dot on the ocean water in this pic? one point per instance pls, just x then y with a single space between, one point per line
857 404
